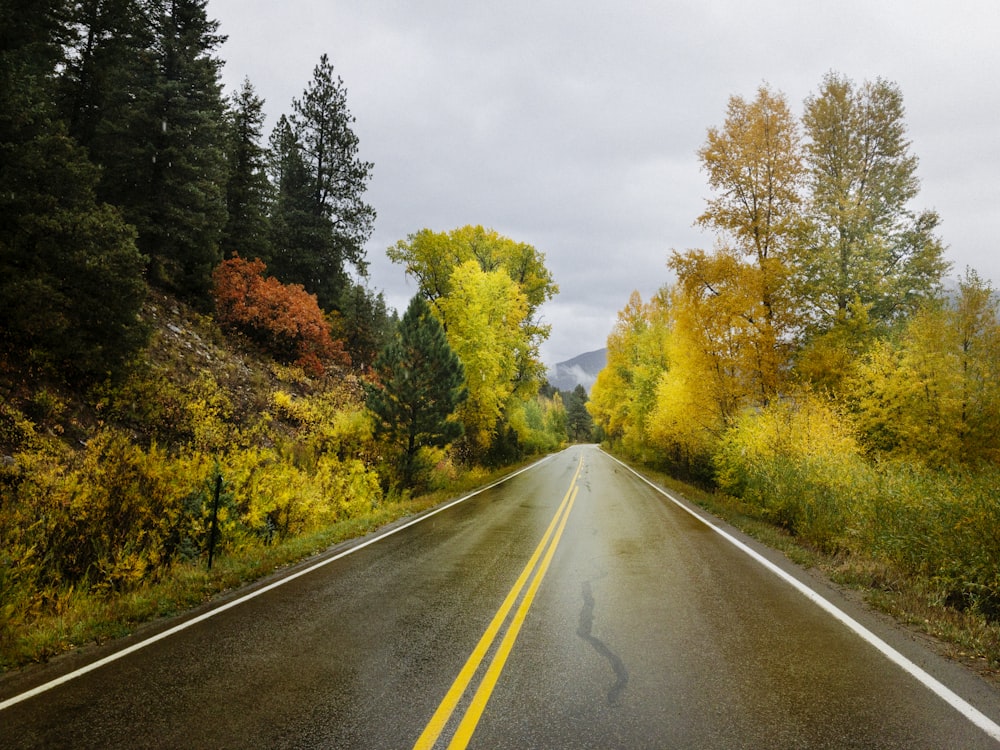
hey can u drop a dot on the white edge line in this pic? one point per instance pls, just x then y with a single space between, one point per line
969 711
252 595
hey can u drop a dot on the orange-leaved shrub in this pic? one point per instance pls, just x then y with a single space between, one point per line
283 318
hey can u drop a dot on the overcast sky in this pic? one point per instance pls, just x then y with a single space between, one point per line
574 125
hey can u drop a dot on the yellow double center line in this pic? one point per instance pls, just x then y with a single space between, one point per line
546 548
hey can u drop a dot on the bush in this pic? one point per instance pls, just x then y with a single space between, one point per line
795 464
283 318
942 525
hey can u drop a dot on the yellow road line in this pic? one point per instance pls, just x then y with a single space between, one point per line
444 711
475 711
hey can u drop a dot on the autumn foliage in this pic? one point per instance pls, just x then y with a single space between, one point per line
283 318
811 367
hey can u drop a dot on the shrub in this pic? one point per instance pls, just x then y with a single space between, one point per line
16 430
942 525
794 462
283 318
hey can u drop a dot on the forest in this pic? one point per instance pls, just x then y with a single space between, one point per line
193 367
818 366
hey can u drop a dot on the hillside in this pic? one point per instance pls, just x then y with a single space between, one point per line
580 370
188 361
107 488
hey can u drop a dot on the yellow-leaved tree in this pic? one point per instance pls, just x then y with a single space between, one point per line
482 317
432 257
691 397
754 164
486 290
933 396
624 395
717 300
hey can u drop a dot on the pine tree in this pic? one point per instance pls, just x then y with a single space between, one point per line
181 215
322 123
142 94
247 189
297 231
108 76
580 424
365 324
420 383
70 275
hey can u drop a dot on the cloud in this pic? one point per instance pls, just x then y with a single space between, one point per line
574 126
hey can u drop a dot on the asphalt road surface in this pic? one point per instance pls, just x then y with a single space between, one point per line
571 606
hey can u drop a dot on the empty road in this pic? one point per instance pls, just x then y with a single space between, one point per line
573 605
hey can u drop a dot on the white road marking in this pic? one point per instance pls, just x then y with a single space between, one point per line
247 597
969 711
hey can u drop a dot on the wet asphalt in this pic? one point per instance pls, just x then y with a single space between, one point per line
649 630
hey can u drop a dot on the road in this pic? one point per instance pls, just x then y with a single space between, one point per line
572 606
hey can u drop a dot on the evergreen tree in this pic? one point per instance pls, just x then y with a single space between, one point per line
297 231
338 179
70 275
181 215
107 79
365 324
580 424
142 93
420 382
247 189
31 35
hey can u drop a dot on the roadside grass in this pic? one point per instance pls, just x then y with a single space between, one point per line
920 604
914 599
76 619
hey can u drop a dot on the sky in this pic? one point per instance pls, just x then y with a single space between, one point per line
574 125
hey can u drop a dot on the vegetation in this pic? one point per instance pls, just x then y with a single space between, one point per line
811 368
183 307
486 291
419 383
322 222
579 423
283 318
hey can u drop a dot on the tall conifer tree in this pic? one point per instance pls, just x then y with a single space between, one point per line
298 231
338 178
419 385
108 76
70 275
142 94
247 188
181 215
579 423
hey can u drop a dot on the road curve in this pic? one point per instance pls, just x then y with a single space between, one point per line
572 606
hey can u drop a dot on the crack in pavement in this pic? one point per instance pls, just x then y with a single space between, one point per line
585 631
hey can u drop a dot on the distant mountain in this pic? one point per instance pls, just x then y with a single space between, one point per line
581 370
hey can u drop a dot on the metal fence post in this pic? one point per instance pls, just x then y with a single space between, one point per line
215 519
